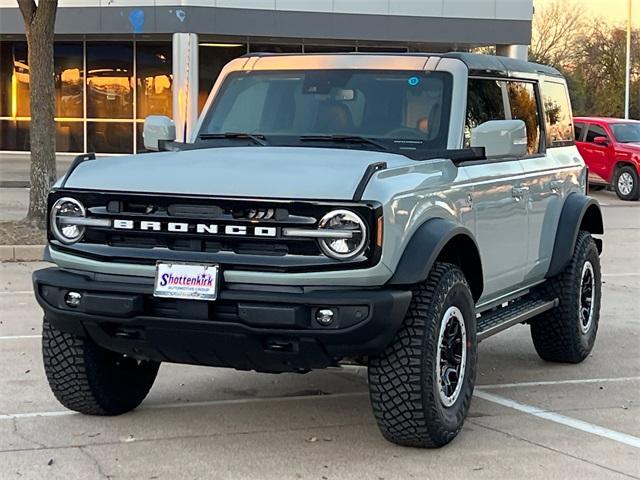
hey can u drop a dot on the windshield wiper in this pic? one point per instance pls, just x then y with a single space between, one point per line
342 139
257 138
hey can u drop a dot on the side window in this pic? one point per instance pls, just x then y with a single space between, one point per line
558 112
484 103
578 130
595 131
523 104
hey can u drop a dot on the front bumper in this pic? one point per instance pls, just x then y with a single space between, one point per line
249 327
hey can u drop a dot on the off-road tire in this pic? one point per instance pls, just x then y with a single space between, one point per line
557 334
402 380
634 194
89 379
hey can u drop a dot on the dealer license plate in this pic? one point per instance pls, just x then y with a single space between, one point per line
186 280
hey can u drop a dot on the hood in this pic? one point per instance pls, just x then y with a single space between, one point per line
268 172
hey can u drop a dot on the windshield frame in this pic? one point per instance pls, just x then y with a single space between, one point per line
613 126
397 144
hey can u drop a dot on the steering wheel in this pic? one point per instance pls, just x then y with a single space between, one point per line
404 132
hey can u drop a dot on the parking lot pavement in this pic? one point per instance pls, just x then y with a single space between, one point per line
530 419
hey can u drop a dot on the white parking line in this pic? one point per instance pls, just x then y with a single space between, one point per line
555 382
236 401
17 292
19 337
561 419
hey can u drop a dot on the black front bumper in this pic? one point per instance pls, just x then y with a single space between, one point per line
249 327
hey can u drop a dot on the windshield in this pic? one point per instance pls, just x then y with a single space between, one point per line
626 132
399 109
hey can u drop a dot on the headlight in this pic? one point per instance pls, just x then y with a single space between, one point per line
343 221
62 214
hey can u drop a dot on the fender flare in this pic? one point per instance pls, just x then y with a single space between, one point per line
428 242
579 212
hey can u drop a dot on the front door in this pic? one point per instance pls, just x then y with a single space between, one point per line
500 205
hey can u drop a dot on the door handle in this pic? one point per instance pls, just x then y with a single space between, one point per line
519 192
556 185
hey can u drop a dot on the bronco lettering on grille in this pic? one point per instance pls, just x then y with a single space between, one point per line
202 228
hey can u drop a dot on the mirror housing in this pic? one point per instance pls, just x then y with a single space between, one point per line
501 138
601 141
157 130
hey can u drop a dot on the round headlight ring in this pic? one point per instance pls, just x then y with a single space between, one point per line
360 232
69 207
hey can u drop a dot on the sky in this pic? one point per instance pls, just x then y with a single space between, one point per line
614 11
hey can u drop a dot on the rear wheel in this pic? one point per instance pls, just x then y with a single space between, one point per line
626 183
567 333
421 385
89 379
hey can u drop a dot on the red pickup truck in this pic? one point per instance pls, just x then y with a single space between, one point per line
611 149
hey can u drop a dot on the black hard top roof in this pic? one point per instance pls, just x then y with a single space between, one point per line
477 63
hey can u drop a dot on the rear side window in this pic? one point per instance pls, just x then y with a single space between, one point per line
558 114
578 129
523 105
484 103
595 131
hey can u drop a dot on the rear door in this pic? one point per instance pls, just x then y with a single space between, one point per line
597 156
551 165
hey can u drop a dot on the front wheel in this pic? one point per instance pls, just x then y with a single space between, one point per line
89 379
421 385
626 183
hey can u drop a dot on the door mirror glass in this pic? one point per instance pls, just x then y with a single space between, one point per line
158 129
601 141
501 138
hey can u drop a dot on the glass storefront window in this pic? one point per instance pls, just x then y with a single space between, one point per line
328 48
275 48
14 135
154 79
14 80
110 80
211 58
70 136
69 78
110 137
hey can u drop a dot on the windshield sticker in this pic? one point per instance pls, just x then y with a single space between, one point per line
413 81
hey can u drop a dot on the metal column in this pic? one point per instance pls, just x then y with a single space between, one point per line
185 84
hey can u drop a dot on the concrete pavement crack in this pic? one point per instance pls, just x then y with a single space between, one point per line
96 463
566 454
22 436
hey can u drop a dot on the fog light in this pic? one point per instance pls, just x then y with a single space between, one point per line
324 316
72 299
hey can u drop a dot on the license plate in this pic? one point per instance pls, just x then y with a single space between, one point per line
186 280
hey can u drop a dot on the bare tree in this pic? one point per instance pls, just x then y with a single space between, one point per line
557 30
39 20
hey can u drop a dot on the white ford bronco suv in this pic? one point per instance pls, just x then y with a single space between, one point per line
388 210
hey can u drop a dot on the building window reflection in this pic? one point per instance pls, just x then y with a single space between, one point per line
211 58
110 80
153 79
110 137
69 79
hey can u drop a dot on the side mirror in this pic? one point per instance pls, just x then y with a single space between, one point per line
601 141
501 138
158 129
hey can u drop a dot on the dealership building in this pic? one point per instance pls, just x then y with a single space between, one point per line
118 61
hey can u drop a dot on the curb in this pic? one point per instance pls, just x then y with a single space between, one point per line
21 253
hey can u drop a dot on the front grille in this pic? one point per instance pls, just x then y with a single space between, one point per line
220 230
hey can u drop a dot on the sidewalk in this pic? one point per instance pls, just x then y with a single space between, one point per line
14 168
14 182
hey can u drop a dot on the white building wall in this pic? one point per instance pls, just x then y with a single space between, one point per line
485 9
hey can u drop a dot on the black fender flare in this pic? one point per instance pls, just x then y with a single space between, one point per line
579 212
440 238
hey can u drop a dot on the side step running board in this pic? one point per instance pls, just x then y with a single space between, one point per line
495 321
